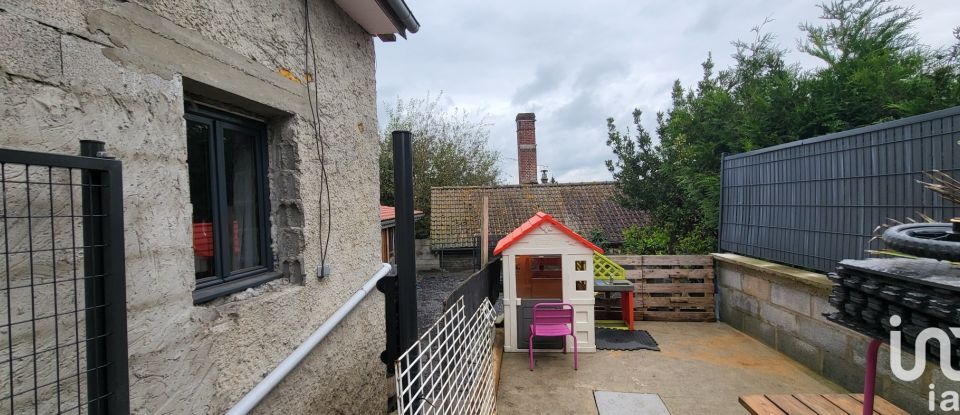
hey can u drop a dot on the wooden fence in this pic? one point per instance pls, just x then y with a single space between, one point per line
666 288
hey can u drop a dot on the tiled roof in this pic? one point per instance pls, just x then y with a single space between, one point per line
389 213
583 207
532 224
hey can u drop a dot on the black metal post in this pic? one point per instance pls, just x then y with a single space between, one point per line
104 284
723 160
404 239
92 187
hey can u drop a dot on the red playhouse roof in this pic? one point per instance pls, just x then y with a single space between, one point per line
534 222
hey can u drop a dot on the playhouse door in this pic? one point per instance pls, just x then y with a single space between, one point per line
525 313
539 280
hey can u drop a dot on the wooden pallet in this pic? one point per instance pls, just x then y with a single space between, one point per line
667 288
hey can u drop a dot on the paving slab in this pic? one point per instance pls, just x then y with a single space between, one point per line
627 403
702 368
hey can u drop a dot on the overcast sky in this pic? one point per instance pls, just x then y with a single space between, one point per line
575 63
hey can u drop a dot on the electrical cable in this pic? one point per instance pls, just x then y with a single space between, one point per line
313 97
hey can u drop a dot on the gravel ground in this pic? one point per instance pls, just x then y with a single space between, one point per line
432 289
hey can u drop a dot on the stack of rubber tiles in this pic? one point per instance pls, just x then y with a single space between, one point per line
923 293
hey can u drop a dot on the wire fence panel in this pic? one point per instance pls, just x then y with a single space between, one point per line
449 370
814 202
61 285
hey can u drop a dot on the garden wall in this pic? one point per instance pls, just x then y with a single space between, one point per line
783 307
426 258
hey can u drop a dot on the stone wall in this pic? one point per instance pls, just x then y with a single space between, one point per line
456 260
122 73
783 307
427 260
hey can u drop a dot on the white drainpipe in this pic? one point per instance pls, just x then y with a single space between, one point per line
266 385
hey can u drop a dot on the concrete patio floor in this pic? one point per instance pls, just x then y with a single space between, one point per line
702 368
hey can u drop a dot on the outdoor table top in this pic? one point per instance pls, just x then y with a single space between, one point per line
813 404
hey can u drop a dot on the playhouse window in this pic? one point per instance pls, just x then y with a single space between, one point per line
580 265
539 276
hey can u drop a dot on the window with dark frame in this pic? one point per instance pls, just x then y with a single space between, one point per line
227 162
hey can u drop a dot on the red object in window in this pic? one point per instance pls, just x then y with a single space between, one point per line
203 239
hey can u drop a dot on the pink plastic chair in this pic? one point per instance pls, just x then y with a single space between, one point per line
553 320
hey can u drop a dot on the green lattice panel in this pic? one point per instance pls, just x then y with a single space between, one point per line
604 268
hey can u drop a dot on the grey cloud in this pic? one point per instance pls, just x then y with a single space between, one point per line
576 63
599 72
547 78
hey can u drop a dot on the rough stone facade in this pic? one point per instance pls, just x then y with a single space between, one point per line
783 307
122 73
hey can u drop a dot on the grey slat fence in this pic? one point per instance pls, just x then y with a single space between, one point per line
813 202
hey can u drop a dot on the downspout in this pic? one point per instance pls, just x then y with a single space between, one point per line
253 398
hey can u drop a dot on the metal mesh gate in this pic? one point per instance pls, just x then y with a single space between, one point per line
62 302
449 370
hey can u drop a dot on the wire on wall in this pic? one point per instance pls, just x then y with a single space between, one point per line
313 96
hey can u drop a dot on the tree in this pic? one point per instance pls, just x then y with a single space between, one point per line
875 71
450 148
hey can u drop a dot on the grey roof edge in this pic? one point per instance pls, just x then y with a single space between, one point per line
859 130
506 186
401 15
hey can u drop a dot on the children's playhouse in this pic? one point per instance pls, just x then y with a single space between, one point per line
546 262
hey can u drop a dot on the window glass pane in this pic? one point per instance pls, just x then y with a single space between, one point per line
539 276
243 209
198 165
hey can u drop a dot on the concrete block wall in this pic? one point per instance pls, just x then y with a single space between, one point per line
456 260
783 307
427 260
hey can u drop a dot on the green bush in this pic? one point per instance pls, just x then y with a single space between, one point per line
647 240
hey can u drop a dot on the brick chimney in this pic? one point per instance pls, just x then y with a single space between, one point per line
527 147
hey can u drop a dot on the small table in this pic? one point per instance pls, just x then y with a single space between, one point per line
815 404
625 288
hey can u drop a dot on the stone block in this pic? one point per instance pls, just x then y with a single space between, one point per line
757 287
741 301
778 317
29 49
828 337
907 399
731 315
760 330
86 69
790 298
839 368
801 351
820 307
730 278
